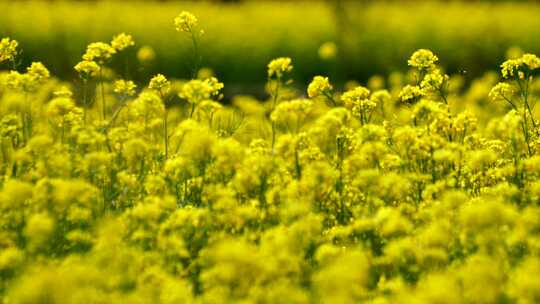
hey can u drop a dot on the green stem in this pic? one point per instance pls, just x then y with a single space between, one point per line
85 105
116 113
104 105
197 58
331 98
166 133
192 110
274 103
526 99
443 96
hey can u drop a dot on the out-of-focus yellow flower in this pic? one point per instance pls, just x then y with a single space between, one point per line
205 73
328 50
124 87
63 92
36 75
514 53
146 54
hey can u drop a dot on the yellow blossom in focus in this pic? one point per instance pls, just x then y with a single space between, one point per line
8 49
319 86
185 22
279 67
122 41
423 59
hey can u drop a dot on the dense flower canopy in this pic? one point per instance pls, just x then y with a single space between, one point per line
411 189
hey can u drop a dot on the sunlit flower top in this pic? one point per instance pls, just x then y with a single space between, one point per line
516 67
279 66
196 91
319 86
423 59
99 52
434 81
160 84
501 91
8 49
185 22
410 94
87 69
122 41
354 96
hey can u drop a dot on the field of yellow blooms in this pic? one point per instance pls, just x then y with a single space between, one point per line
240 38
412 189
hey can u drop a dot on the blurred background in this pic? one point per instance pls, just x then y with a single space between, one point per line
347 40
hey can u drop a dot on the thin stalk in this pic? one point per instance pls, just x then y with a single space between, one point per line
85 104
526 132
103 104
443 96
165 124
511 103
192 110
526 98
195 54
331 98
116 113
24 118
166 133
274 103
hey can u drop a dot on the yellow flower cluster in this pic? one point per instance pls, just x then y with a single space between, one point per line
279 67
517 67
36 74
185 22
87 69
411 94
196 91
423 59
179 198
122 41
99 52
160 84
124 87
319 86
8 49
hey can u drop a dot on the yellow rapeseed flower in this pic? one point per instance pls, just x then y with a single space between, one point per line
185 22
279 67
319 86
8 49
122 41
124 87
423 59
